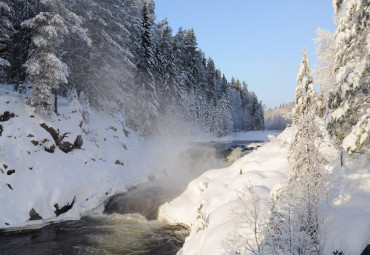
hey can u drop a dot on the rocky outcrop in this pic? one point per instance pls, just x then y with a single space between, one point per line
5 117
58 211
34 215
64 146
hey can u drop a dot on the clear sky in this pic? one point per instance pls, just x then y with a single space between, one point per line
258 41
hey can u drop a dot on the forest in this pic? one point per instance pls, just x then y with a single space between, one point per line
118 59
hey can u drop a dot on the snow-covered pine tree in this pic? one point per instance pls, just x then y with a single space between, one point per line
325 53
171 91
294 227
225 107
324 71
349 113
210 79
192 60
45 69
147 107
6 33
21 41
305 91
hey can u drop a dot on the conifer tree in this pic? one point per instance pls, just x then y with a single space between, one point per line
349 116
210 79
46 71
305 90
294 227
6 33
144 79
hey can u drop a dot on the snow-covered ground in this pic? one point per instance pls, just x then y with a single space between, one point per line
211 204
111 159
107 162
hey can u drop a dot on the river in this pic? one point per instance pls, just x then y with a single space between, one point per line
128 224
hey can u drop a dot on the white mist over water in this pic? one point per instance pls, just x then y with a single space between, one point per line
177 154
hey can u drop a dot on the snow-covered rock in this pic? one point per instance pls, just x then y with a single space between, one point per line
210 205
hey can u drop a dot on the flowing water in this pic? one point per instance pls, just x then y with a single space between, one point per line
116 234
128 225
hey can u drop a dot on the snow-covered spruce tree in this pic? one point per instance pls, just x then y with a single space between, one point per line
324 72
6 33
44 68
104 71
20 43
325 53
305 90
294 226
225 108
171 90
191 60
349 113
147 105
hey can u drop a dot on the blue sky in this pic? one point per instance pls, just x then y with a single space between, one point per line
258 41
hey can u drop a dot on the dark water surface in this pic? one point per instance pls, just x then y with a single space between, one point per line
117 234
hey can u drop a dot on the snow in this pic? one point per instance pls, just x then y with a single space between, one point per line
217 190
358 135
109 162
347 225
338 114
210 205
42 179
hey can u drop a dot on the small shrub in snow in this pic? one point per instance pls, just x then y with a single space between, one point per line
201 220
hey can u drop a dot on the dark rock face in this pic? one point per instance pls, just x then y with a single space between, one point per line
119 163
10 172
366 251
34 215
50 149
58 139
58 211
66 146
6 116
78 142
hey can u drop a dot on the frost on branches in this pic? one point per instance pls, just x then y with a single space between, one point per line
6 32
304 91
46 71
349 118
294 225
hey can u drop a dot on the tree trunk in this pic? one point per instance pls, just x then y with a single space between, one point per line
55 102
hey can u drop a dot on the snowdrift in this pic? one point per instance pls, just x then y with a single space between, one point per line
209 206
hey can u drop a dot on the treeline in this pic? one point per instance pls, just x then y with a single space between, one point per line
114 55
279 117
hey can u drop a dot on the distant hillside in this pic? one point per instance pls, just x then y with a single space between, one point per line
279 117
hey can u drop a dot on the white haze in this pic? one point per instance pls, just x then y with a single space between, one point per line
176 153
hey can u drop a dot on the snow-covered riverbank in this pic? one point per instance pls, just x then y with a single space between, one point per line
212 209
38 179
36 176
